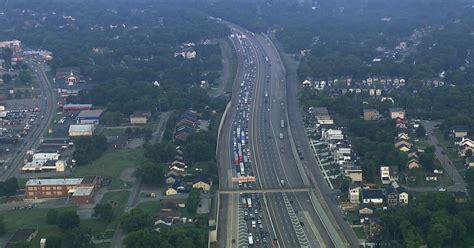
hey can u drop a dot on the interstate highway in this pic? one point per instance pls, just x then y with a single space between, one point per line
293 219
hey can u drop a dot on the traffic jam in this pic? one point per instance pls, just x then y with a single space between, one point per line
251 233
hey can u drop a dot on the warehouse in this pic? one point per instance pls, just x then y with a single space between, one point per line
81 130
89 116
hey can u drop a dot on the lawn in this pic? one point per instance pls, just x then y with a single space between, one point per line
111 164
149 207
103 230
359 231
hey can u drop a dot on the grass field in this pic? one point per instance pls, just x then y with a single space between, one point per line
359 231
149 207
111 165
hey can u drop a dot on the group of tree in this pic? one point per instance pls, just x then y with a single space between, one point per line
152 173
9 187
174 238
89 148
434 219
72 233
104 212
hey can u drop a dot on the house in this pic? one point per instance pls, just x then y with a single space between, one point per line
140 117
460 196
351 170
467 143
171 191
366 209
459 131
385 174
404 148
403 142
429 176
413 153
394 176
392 196
371 115
375 196
178 166
413 164
307 83
397 113
403 136
402 195
203 183
81 130
89 116
470 162
354 193
171 179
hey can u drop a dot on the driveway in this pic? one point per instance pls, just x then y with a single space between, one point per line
448 167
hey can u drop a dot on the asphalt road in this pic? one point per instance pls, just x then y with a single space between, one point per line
47 102
293 219
448 166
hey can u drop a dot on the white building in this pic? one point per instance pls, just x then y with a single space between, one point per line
81 130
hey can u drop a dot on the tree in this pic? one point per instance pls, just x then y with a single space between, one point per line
89 148
22 244
7 78
104 212
78 237
68 220
53 242
468 153
146 239
151 174
111 118
52 216
24 77
193 200
3 229
135 220
438 235
199 151
420 131
161 152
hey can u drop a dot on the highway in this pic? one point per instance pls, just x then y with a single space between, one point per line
291 219
47 101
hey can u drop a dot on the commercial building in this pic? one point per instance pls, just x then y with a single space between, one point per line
76 107
140 117
80 190
89 116
81 130
397 113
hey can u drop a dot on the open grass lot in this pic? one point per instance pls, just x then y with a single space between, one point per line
149 207
35 217
111 164
359 231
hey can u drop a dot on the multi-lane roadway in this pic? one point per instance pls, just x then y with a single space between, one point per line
46 102
289 219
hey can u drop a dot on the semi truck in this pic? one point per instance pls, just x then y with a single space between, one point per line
282 123
281 135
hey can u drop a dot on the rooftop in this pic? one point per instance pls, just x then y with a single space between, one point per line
56 181
95 113
81 128
83 191
372 193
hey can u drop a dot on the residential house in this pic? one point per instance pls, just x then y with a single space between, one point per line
460 196
392 196
385 174
354 193
403 136
413 164
366 209
397 113
350 169
413 153
371 115
402 142
459 131
178 166
171 179
429 176
204 183
467 143
404 148
394 175
375 196
402 195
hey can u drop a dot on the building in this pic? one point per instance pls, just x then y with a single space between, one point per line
76 107
413 164
171 191
354 193
392 196
81 130
397 113
203 183
12 44
429 176
62 187
67 76
83 195
89 116
459 131
371 115
353 171
140 117
470 162
171 179
385 174
366 209
375 196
